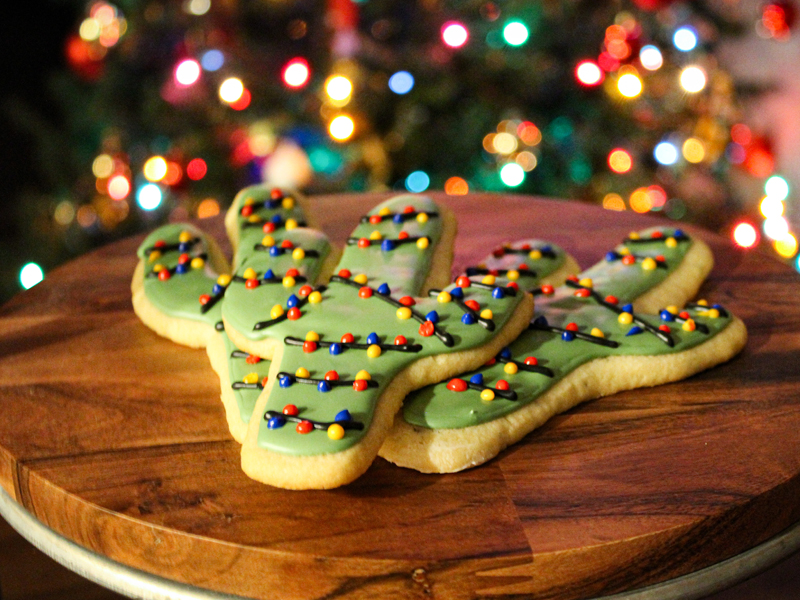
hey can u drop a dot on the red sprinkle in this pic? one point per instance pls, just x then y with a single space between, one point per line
400 340
403 235
463 282
628 259
525 247
513 284
164 274
457 385
660 258
531 360
408 209
522 267
363 243
293 314
426 329
548 290
612 299
251 284
304 427
287 244
365 292
252 359
657 234
247 210
491 361
571 327
331 376
348 338
502 385
407 301
292 272
375 219
264 381
472 304
360 385
276 194
205 299
499 252
183 259
345 273
159 244
290 410
573 278
582 293
268 227
664 328
309 347
683 314
304 291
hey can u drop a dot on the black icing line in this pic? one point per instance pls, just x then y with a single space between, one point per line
487 324
509 291
681 237
412 239
405 216
698 326
281 225
171 247
333 382
293 341
588 337
522 251
507 394
529 368
241 385
300 303
695 306
319 425
297 278
660 264
471 271
443 336
282 250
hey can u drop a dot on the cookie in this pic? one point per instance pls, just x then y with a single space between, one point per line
588 340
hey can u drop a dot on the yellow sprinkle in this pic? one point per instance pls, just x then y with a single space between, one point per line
184 237
254 219
422 218
314 297
689 325
648 264
487 313
291 224
198 263
374 351
671 242
268 241
360 278
312 336
249 201
624 251
250 378
597 332
713 313
634 235
384 211
489 280
444 297
335 431
375 235
702 303
158 268
302 372
511 368
277 311
512 275
404 313
625 318
224 280
535 254
288 203
362 374
586 282
423 243
298 254
672 309
487 395
154 255
249 273
288 281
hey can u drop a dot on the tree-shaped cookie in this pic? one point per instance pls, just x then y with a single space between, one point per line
586 341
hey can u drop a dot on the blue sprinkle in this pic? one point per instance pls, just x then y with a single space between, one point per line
285 381
432 316
276 422
398 218
547 248
181 268
387 245
678 233
184 246
667 316
477 379
383 289
628 308
717 306
324 386
567 336
271 203
457 292
275 251
276 219
468 319
372 338
611 256
292 301
635 330
342 415
505 352
540 321
217 289
498 293
335 348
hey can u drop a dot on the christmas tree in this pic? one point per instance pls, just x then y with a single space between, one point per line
168 108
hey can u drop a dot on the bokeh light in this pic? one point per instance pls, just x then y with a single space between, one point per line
685 39
198 7
208 208
512 174
296 73
30 275
401 82
629 85
418 181
777 187
612 201
771 207
651 58
119 187
775 227
155 168
196 169
504 143
456 186
693 79
242 101
515 33
149 196
212 60
103 166
341 128
454 34
640 201
666 153
745 235
231 90
589 73
620 160
786 246
338 87
187 72
693 150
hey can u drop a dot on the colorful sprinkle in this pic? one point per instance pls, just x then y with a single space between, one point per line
290 410
625 318
487 395
302 372
457 385
511 368
304 427
374 351
689 325
293 313
443 297
335 431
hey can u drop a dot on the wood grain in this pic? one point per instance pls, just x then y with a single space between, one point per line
116 439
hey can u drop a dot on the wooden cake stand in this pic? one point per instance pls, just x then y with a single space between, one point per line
115 443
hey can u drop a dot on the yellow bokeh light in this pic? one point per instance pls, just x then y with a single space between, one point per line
488 142
527 160
342 128
103 166
629 85
771 207
613 201
693 150
155 168
640 200
693 79
620 161
504 143
64 213
207 208
338 88
231 90
89 30
786 246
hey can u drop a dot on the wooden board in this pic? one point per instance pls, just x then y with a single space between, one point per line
116 439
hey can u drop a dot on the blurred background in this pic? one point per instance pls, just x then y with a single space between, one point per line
118 116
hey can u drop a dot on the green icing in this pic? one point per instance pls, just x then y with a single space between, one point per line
437 407
238 368
178 296
547 259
